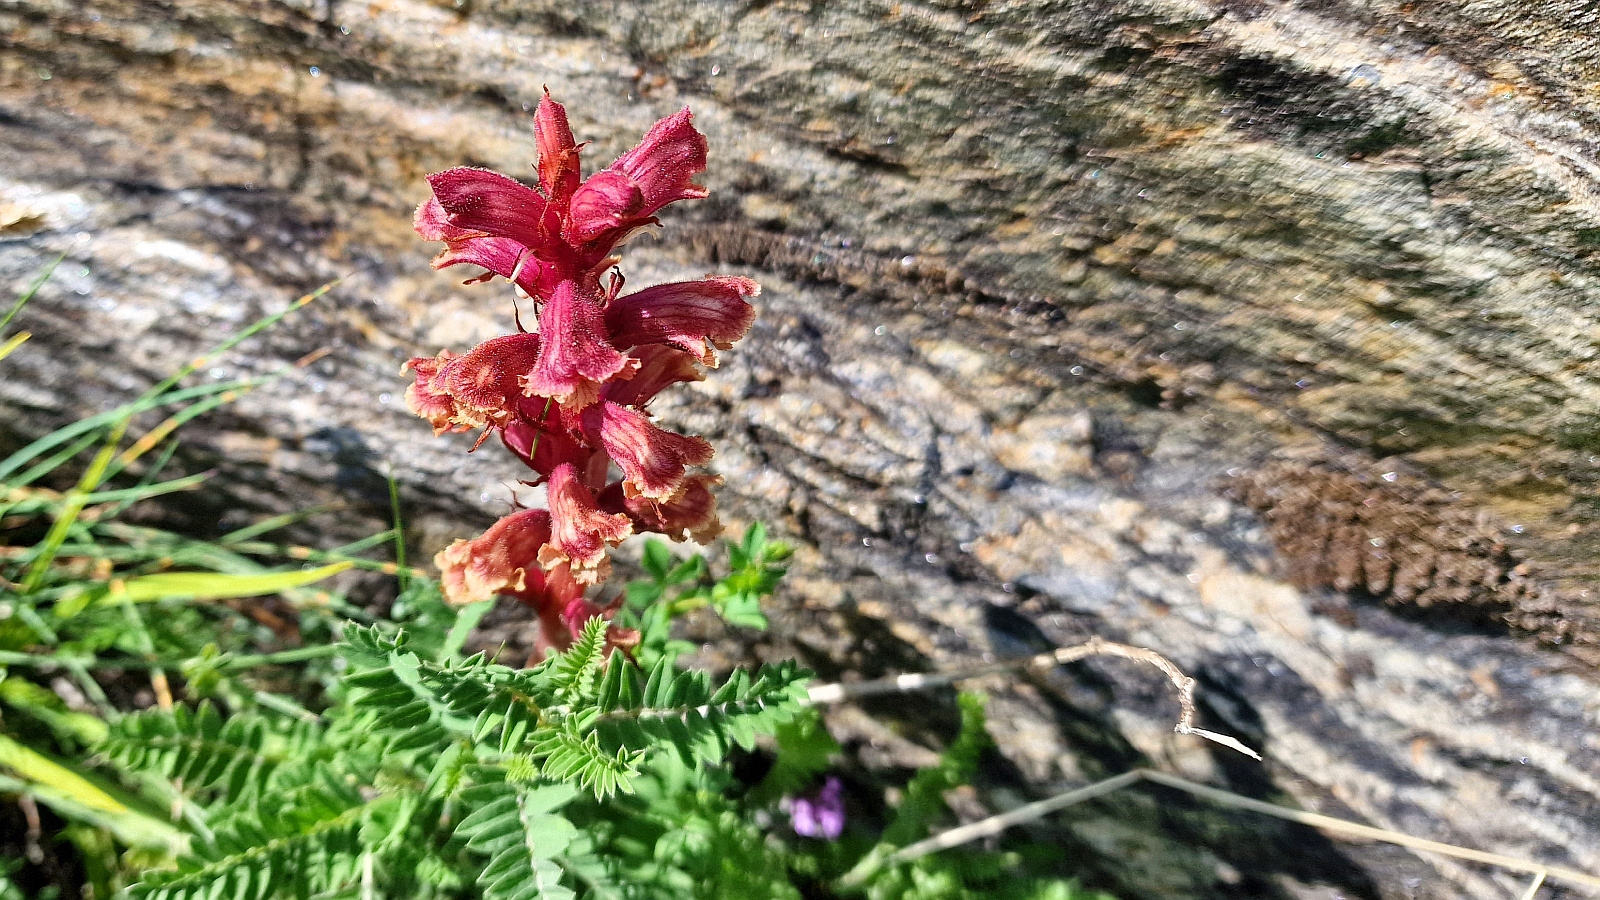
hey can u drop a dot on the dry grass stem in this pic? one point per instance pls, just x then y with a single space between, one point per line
995 824
834 693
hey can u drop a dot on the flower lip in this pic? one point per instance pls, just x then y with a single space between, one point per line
579 530
658 367
652 459
427 397
575 356
498 560
487 202
690 513
699 317
665 163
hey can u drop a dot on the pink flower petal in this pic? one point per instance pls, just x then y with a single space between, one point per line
433 223
652 459
606 202
660 367
690 513
498 560
575 355
486 383
427 397
686 314
503 256
579 531
666 162
491 203
558 152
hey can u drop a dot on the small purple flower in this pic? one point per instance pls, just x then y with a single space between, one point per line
820 814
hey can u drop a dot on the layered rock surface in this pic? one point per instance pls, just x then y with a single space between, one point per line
1077 316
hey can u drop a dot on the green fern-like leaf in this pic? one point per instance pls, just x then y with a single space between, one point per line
205 754
924 795
681 710
574 674
302 841
570 756
518 828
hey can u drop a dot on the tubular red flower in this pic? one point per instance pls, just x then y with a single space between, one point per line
503 256
558 152
665 163
575 356
500 559
486 383
690 513
562 610
659 367
486 202
627 194
652 459
579 531
686 314
427 397
482 388
578 611
607 202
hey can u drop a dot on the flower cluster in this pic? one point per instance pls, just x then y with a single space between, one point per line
571 399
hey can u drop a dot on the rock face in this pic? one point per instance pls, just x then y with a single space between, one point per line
1171 322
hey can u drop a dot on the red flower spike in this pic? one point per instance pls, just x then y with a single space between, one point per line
660 367
427 397
568 400
579 531
500 559
558 152
575 356
685 314
652 459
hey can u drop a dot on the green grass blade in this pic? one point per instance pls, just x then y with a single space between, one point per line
215 586
149 478
401 572
70 510
49 465
235 340
28 771
273 524
102 420
28 294
13 342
